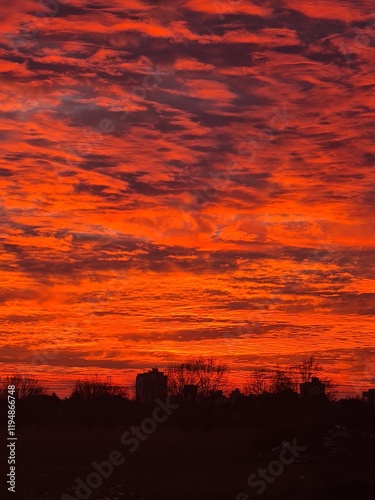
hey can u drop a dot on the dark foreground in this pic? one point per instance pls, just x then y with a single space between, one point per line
333 462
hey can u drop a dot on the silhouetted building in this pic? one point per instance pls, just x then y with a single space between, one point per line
369 396
190 392
218 397
235 395
314 389
151 385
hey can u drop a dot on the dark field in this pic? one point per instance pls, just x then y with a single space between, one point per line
338 463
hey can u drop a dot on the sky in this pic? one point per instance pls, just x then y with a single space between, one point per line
187 178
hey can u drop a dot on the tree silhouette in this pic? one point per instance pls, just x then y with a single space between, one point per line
283 380
206 373
94 388
25 386
278 380
259 382
308 369
331 388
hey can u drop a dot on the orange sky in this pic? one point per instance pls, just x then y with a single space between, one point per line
192 178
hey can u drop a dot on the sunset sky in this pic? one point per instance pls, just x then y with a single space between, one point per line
184 178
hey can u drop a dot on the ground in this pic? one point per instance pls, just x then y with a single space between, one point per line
196 465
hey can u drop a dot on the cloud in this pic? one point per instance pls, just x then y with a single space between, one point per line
186 177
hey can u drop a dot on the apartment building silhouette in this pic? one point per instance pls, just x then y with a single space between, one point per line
151 385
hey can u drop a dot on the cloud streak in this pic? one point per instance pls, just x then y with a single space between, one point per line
187 175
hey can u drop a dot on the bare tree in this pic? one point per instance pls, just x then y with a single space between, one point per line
307 369
96 388
283 380
259 382
25 386
206 373
331 388
274 381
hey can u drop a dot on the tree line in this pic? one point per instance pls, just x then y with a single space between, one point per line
208 374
